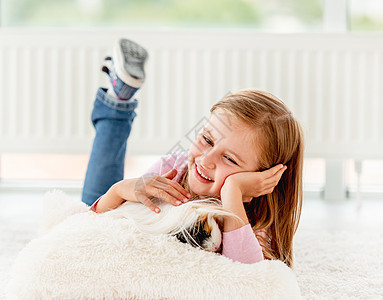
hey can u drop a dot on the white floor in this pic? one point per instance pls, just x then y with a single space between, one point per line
26 207
321 215
22 212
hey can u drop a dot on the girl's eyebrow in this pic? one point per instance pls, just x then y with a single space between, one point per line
235 154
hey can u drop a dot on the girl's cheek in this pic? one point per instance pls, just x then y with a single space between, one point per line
225 175
193 150
196 147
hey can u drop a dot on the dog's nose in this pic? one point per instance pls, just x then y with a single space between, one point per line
217 247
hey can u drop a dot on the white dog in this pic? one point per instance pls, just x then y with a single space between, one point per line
197 222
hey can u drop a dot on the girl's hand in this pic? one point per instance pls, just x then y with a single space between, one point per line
255 184
162 187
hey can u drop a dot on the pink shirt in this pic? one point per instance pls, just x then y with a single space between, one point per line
239 245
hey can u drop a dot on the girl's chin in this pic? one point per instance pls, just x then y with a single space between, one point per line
196 187
200 190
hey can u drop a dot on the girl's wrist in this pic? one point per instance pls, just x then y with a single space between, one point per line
114 191
118 192
110 200
123 190
231 197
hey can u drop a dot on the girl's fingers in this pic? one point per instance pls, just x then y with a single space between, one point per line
144 184
273 180
146 201
171 190
281 171
175 185
171 174
164 195
161 188
273 171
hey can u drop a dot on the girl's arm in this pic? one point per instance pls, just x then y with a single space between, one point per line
238 239
231 197
110 200
140 189
243 186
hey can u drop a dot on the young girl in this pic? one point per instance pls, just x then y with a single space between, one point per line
249 154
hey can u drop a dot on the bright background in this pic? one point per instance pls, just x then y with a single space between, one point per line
273 16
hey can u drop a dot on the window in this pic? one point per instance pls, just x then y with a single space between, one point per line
371 177
366 15
272 15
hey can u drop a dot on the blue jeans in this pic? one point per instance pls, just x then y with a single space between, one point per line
112 119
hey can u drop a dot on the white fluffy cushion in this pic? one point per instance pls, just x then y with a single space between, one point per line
103 256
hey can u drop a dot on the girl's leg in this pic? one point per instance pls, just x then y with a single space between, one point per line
112 117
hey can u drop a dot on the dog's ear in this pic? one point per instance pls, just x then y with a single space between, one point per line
219 220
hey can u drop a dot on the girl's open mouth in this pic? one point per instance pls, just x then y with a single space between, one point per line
200 176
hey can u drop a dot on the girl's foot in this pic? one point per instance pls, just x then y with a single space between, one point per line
126 71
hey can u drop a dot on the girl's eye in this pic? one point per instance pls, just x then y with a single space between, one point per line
210 142
229 159
207 140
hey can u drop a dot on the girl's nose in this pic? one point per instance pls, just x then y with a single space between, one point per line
208 159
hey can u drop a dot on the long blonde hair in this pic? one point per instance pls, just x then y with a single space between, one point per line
274 217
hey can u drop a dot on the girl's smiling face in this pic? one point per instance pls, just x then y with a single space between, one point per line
224 146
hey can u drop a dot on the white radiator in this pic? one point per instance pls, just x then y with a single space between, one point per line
332 83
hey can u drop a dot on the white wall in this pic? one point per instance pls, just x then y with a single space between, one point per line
331 82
